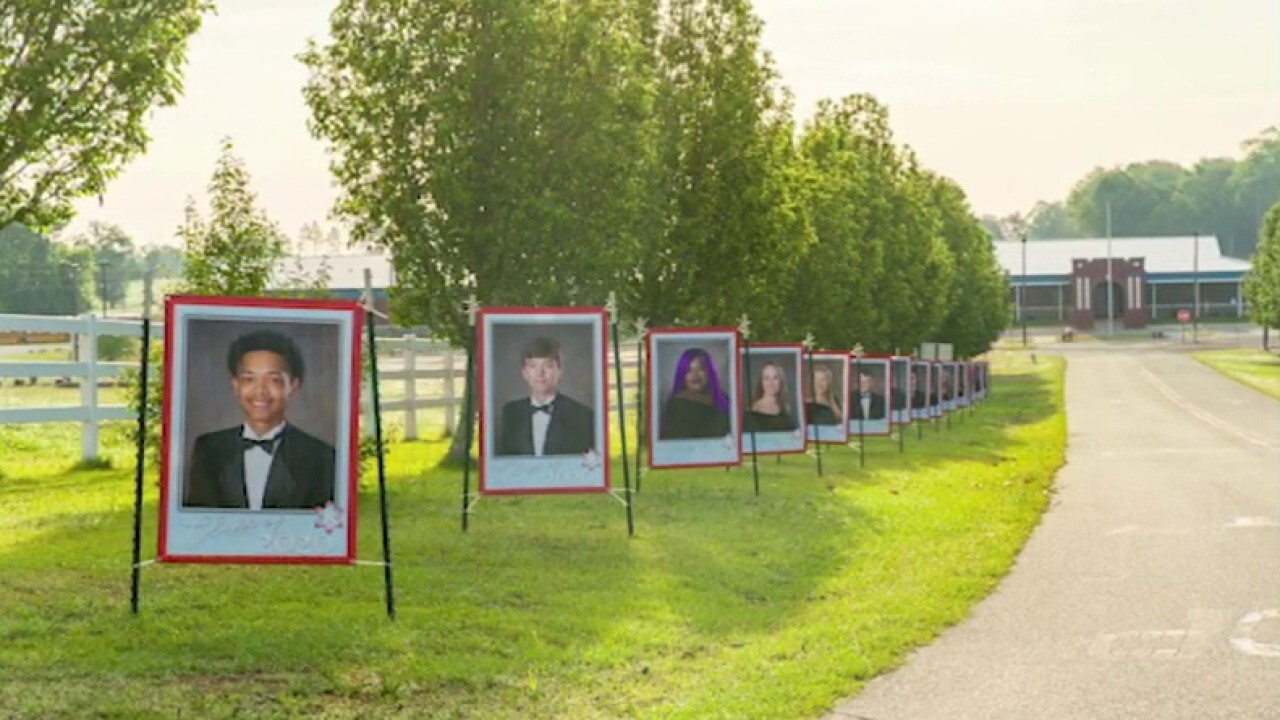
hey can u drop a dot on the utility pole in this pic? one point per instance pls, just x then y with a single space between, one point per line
102 284
1111 304
1022 288
1195 299
148 285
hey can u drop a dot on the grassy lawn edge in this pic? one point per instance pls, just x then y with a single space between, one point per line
725 605
1256 368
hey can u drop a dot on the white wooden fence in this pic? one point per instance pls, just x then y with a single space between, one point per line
404 362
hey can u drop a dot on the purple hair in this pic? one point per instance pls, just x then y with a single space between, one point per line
713 379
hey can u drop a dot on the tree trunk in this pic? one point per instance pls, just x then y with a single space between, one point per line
1266 344
458 450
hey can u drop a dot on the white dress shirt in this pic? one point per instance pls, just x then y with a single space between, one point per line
866 406
541 421
257 465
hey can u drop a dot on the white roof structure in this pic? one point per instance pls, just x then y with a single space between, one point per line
1162 255
346 272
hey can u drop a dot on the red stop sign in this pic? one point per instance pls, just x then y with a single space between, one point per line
1184 315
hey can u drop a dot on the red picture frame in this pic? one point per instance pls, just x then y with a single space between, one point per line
602 409
843 439
744 405
652 383
336 311
885 358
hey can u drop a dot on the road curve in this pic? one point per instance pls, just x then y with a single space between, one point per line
1151 589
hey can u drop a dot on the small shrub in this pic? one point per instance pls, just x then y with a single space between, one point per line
98 463
117 347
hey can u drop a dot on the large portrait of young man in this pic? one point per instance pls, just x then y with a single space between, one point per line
261 419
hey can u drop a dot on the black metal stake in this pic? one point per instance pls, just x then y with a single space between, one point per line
640 402
140 471
745 384
817 429
622 423
920 424
387 577
468 408
862 417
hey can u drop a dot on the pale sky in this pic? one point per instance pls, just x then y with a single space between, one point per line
1014 99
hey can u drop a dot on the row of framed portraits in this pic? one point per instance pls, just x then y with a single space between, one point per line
710 398
261 413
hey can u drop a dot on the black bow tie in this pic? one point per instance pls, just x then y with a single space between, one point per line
268 445
535 409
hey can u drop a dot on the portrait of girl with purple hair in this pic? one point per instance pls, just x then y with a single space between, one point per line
698 406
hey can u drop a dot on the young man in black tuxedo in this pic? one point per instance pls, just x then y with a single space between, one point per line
865 403
547 422
919 398
266 463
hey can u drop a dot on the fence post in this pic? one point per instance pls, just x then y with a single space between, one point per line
410 388
88 342
450 392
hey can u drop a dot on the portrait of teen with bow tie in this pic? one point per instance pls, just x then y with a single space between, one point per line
870 386
547 422
544 408
261 429
265 462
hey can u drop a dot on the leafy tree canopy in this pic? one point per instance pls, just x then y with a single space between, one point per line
77 79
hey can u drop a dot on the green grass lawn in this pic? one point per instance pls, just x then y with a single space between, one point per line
37 356
724 604
1256 368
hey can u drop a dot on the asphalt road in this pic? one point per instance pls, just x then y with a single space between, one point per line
1151 589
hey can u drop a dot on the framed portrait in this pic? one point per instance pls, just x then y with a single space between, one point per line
261 430
964 383
694 400
544 403
950 378
980 379
869 391
936 406
900 398
920 389
826 397
771 407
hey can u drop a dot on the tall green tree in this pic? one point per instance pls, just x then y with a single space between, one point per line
879 263
77 80
1134 201
847 148
978 303
922 260
1224 197
1262 283
236 249
1051 221
1255 183
727 222
165 261
115 262
490 145
495 148
41 277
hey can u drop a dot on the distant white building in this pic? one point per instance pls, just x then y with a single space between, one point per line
344 274
1151 279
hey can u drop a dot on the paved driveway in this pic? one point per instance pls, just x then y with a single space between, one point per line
1152 587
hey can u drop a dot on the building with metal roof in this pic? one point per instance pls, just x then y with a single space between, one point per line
1142 280
342 274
